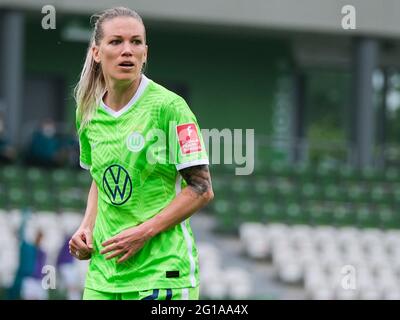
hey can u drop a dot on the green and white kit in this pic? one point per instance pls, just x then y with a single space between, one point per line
134 156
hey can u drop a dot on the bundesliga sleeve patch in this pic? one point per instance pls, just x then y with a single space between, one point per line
189 140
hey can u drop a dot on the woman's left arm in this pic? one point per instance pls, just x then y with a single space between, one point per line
192 198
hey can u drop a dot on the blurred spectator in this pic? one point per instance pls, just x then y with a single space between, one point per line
28 279
31 287
71 147
7 152
46 148
26 259
69 272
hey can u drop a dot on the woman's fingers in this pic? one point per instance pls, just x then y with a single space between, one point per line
115 254
78 252
88 239
109 241
73 248
125 257
78 242
74 251
110 248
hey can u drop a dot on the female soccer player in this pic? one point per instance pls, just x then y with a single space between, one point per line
138 140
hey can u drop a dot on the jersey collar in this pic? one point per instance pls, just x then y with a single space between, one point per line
144 81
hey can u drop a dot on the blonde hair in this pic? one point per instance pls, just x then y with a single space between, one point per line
91 85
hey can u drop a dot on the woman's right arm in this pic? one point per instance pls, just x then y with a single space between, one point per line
81 243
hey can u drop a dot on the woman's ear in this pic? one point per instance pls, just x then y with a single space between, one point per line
96 54
145 54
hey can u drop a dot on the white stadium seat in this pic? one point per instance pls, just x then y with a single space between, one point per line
238 282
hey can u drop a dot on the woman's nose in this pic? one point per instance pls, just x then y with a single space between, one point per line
127 48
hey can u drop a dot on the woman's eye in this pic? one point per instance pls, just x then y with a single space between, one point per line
137 41
114 42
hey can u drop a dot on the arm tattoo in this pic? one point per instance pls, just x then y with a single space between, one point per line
197 177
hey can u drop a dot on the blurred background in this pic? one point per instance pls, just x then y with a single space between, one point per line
319 216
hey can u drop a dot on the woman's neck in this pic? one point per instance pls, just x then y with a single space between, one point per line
119 94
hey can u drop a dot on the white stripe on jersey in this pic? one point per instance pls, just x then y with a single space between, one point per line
188 238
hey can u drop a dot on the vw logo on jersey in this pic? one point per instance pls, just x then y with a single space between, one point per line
135 142
117 184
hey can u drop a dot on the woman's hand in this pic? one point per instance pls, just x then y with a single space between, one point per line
126 243
81 244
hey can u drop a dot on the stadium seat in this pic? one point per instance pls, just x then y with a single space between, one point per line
70 221
254 240
368 289
37 178
326 174
63 178
286 190
388 218
248 210
214 284
366 217
395 191
290 271
82 270
391 293
333 192
14 218
348 173
241 187
43 200
84 180
300 235
379 195
209 255
12 175
280 169
71 199
17 198
356 192
303 173
226 218
319 214
325 237
311 192
343 216
271 212
238 282
214 287
391 240
220 185
295 214
3 194
392 175
372 175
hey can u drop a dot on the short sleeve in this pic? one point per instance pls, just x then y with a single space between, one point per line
85 157
185 142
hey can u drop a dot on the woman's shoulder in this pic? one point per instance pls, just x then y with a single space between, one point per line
165 96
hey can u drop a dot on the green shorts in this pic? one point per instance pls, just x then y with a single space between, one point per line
155 294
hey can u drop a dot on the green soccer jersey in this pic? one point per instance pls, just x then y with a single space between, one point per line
134 156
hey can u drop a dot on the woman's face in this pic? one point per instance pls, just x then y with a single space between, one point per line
123 50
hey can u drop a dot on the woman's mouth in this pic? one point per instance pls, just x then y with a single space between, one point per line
126 65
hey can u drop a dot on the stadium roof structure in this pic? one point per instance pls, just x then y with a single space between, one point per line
373 18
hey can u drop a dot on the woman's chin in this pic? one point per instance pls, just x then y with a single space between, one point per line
127 77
